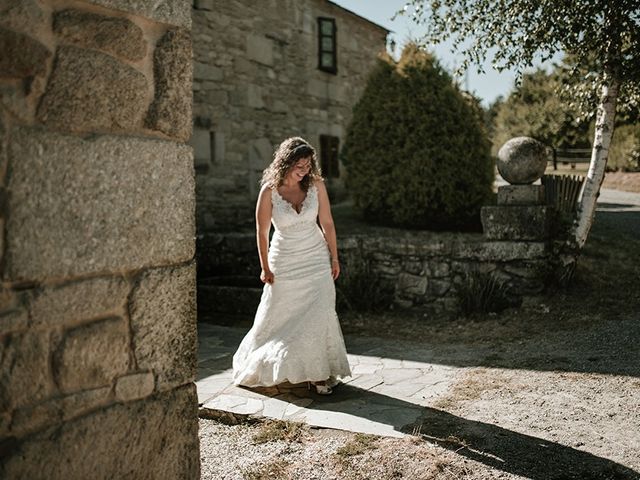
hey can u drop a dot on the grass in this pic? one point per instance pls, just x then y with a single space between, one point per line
273 470
359 444
280 430
474 383
483 293
412 457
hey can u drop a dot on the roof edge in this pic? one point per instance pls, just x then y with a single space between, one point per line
360 16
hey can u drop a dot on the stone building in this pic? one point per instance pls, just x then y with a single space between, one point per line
264 71
97 201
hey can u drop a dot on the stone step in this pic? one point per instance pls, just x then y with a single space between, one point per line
227 254
224 300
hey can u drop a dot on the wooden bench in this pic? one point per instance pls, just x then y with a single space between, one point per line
571 156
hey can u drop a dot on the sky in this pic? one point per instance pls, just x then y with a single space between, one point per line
487 86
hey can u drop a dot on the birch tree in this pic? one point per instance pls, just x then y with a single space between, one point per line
601 34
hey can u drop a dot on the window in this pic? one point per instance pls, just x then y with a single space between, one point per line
327 45
329 164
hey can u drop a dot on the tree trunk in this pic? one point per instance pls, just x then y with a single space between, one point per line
599 155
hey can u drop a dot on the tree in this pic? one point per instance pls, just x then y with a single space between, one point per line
534 109
601 34
416 153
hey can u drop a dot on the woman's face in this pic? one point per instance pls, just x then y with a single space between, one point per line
300 169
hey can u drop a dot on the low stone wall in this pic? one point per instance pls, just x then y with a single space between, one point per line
428 270
97 199
423 270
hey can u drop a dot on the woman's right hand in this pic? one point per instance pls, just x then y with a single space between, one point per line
266 276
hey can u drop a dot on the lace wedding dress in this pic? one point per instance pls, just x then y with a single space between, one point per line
295 336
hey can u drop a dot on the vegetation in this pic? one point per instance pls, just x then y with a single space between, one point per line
275 469
483 293
534 109
601 37
359 444
416 152
360 290
274 430
625 149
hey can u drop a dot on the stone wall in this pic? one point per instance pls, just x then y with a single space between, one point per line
257 82
424 270
428 270
97 200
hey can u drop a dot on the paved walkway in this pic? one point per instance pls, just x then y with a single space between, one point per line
386 392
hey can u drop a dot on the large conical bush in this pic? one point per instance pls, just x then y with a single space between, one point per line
416 153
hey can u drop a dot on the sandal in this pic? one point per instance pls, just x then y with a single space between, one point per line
332 382
321 388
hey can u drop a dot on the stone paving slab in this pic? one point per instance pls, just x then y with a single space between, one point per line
388 389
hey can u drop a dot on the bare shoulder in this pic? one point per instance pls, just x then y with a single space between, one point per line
265 194
319 184
323 195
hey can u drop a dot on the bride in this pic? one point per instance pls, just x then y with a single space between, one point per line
295 336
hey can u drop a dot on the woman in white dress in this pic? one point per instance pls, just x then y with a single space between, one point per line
295 336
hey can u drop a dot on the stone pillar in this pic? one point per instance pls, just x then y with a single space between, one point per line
521 216
97 302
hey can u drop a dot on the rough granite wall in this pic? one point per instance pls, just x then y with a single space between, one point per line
256 82
424 270
97 200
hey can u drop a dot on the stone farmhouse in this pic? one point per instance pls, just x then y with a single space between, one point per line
264 71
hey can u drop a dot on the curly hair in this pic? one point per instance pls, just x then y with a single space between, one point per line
288 153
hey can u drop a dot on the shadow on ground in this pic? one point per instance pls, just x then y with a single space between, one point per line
609 346
621 218
500 448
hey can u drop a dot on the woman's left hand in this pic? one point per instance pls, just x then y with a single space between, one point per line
335 269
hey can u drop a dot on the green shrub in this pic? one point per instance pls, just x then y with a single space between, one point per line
416 154
482 293
624 151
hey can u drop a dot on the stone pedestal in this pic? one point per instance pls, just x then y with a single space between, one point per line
519 215
521 195
516 222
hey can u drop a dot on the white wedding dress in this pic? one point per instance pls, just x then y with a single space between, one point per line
295 336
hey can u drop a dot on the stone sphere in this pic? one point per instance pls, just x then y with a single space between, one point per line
522 160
